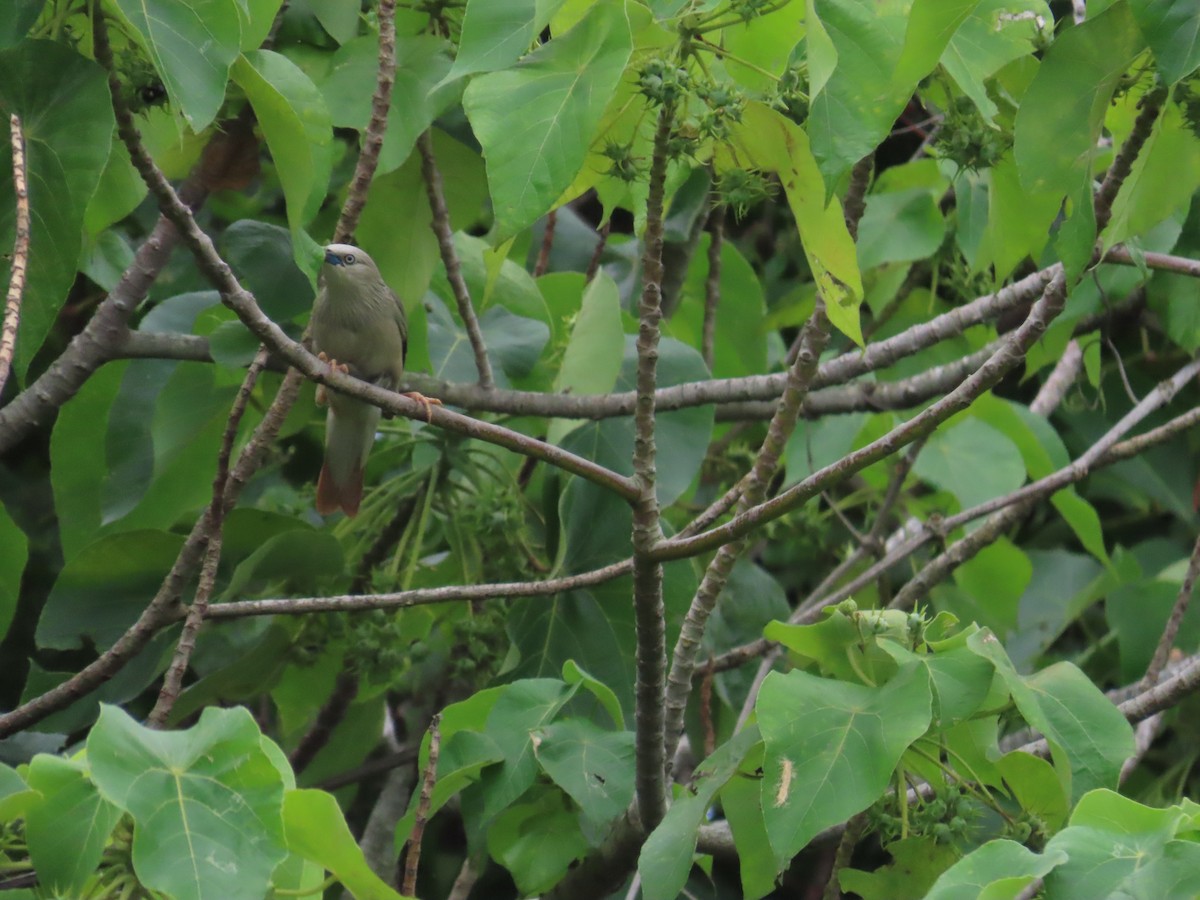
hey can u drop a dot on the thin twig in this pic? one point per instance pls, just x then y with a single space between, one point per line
20 257
381 102
413 859
594 263
543 260
173 680
467 876
329 717
440 223
1167 641
712 283
1122 164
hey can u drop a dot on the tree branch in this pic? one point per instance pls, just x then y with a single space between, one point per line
381 102
649 613
173 680
1010 353
441 229
20 257
1167 641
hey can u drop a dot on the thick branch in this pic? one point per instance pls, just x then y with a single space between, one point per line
649 612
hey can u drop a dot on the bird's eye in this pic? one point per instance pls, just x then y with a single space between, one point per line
349 258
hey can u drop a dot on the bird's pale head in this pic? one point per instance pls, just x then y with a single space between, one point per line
347 264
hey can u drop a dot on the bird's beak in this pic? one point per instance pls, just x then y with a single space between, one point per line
332 258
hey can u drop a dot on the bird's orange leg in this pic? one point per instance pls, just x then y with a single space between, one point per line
428 402
323 395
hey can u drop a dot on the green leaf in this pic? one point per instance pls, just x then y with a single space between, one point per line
971 460
666 857
960 680
192 45
1062 586
404 247
418 95
682 436
496 33
1172 29
1061 116
1110 838
573 674
740 339
995 861
102 590
297 556
206 802
299 133
317 830
15 795
14 551
1163 178
16 18
1084 521
993 581
931 25
66 115
592 358
523 709
902 226
68 829
537 842
536 120
595 767
768 141
816 444
854 109
261 256
831 747
916 864
743 809
992 36
1036 786
1089 738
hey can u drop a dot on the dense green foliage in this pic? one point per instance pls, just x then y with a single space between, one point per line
1014 142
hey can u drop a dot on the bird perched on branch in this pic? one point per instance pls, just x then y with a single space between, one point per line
358 326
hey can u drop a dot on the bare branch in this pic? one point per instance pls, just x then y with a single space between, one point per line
1167 641
418 596
20 257
173 680
543 260
1010 353
164 609
381 102
1122 164
801 373
440 224
412 860
712 284
594 262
